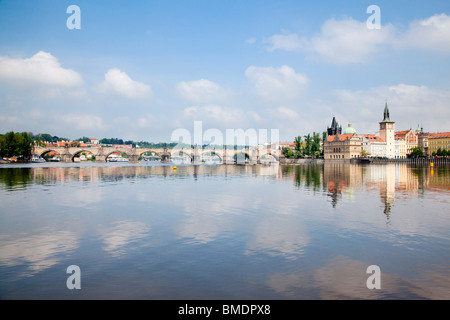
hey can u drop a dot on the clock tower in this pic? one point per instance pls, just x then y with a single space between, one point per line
387 133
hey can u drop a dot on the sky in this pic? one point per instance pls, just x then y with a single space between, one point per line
140 70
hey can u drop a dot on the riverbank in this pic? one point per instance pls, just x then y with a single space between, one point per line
301 161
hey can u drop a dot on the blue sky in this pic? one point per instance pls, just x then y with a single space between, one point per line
141 69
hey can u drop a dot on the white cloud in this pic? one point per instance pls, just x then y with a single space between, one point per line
287 42
431 34
351 41
409 106
42 68
339 42
285 113
81 121
201 91
277 84
214 112
119 82
348 41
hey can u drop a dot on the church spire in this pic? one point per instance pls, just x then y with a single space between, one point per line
386 117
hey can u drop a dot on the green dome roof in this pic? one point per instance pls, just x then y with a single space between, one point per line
349 129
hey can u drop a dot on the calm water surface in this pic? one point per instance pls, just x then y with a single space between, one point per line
224 231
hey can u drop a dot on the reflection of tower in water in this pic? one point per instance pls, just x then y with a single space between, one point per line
387 187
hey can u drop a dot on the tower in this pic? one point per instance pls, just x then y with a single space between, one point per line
335 128
387 133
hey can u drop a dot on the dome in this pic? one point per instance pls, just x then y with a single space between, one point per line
349 129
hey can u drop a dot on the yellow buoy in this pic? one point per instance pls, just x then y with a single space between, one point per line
431 164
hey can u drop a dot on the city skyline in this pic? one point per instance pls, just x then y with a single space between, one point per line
140 71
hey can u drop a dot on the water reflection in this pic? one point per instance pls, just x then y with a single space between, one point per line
265 231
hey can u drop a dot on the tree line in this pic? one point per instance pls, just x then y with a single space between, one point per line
16 144
311 146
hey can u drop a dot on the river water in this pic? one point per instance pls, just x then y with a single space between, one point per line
150 231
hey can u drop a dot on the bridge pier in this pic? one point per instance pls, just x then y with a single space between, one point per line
133 158
66 158
100 158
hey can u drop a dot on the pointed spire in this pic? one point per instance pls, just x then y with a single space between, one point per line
386 112
386 117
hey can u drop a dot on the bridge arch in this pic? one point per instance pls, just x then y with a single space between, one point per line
212 152
140 153
76 153
269 154
41 153
110 152
245 154
179 154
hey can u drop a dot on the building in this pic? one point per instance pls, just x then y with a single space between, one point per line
400 149
422 138
342 147
94 141
334 129
373 145
438 141
387 133
410 137
282 145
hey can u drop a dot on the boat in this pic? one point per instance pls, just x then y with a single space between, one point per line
37 159
363 160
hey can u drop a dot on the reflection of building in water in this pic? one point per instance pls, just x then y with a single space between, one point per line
389 180
341 178
386 174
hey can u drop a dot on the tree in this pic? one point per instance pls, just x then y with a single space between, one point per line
16 144
287 152
315 144
417 152
308 140
298 143
324 137
75 144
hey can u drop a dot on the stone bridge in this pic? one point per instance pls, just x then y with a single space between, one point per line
194 155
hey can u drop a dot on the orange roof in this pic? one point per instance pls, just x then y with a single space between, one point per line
401 133
439 135
341 137
373 137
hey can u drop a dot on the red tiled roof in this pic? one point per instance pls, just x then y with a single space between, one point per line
401 133
439 135
341 137
372 137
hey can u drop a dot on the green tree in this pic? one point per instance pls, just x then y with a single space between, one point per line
308 140
298 152
16 144
288 153
75 143
417 152
315 144
324 137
